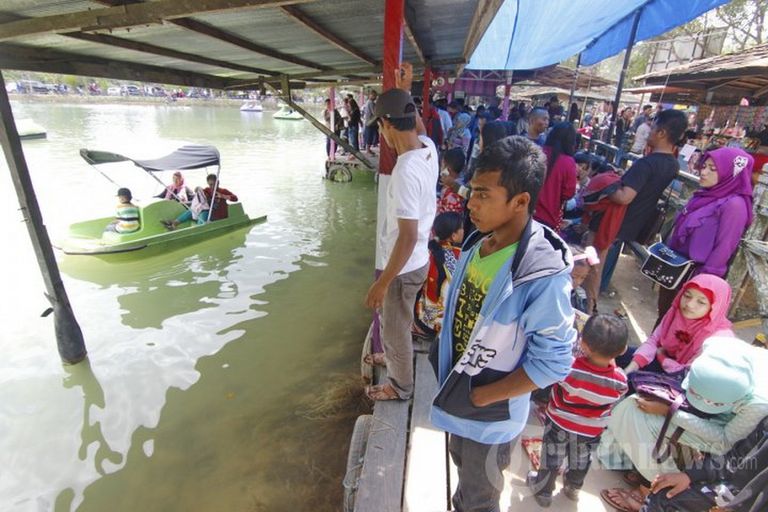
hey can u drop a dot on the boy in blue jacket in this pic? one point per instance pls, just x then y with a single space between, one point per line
508 324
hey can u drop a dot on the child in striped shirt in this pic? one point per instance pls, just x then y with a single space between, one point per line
579 408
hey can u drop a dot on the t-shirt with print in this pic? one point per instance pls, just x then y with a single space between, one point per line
411 195
648 176
478 277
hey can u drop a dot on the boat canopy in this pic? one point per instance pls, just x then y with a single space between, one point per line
184 158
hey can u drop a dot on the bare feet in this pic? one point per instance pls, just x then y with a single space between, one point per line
382 392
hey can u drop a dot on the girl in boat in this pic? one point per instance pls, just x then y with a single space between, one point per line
126 216
177 191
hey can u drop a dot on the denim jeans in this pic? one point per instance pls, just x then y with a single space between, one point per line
609 266
187 215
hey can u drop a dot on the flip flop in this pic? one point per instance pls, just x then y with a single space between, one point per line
382 392
631 501
376 358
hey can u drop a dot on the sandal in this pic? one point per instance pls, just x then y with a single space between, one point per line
622 499
376 358
635 479
382 392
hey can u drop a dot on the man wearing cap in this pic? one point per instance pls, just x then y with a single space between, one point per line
410 211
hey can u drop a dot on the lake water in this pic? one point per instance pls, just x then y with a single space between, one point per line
208 365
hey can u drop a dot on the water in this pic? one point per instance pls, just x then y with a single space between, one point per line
202 361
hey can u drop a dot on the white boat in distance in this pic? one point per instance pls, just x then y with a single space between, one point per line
252 106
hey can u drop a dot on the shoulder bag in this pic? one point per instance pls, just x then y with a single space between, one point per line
666 267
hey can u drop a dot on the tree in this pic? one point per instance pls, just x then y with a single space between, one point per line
746 20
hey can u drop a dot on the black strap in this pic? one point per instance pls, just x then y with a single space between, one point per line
661 455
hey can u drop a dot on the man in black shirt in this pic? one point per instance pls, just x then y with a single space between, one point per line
645 182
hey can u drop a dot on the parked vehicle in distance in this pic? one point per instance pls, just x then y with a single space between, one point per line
113 91
131 90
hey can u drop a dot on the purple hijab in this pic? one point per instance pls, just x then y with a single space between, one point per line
734 178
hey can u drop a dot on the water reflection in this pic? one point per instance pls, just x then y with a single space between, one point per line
199 358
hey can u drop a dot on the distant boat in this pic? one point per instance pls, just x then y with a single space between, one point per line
288 114
28 129
252 106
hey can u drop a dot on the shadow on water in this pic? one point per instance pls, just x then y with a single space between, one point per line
181 280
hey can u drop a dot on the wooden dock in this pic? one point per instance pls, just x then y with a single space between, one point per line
407 467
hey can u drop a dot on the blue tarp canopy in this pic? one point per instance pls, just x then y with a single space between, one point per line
530 34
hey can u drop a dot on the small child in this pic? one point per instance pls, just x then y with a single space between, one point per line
453 165
579 408
126 214
444 252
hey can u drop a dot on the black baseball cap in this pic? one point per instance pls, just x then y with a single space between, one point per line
393 104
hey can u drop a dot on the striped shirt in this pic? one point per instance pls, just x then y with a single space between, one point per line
582 402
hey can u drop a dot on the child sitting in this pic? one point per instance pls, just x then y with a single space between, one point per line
453 165
697 313
579 408
126 214
444 253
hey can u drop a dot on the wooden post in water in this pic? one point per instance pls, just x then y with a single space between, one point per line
69 337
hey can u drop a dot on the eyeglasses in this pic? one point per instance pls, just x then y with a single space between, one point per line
705 400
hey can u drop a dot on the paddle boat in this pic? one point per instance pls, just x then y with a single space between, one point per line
28 129
288 114
251 106
90 238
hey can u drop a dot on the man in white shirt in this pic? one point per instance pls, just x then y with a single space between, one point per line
410 212
641 136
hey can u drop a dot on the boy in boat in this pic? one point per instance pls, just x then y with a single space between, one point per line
126 216
508 324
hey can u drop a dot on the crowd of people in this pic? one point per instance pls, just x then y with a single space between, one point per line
491 227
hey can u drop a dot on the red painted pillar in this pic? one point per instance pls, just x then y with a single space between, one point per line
394 11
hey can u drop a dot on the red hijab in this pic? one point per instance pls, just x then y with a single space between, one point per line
682 338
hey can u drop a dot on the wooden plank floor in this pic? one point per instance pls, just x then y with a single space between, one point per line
380 488
426 482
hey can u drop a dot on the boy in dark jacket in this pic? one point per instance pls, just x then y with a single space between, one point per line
508 325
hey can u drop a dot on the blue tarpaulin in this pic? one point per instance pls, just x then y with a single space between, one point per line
530 34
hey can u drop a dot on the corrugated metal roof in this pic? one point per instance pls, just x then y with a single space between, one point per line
285 45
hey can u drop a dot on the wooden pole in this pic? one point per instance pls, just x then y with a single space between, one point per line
394 19
627 55
332 97
507 88
573 87
425 96
69 337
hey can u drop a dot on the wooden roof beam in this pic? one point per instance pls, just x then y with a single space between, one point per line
129 15
165 52
53 61
301 17
228 37
760 92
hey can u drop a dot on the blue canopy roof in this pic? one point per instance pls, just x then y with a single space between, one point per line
530 34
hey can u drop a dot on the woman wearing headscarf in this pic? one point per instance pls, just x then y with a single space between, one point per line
697 313
709 228
728 382
176 191
459 135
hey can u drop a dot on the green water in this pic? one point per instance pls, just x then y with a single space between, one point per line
202 361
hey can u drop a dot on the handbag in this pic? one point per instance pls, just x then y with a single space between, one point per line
667 389
666 267
650 229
